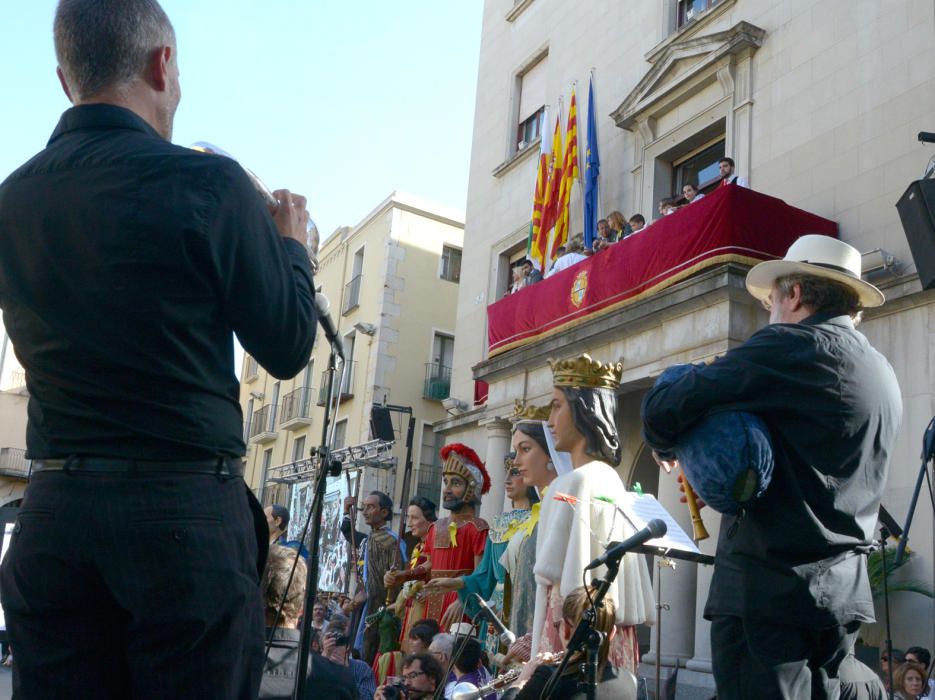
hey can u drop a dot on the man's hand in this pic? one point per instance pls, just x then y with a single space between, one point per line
291 216
668 464
389 578
349 503
683 499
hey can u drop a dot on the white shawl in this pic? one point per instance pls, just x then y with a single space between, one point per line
570 537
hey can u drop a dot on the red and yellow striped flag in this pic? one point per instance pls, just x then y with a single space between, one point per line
569 175
549 215
533 251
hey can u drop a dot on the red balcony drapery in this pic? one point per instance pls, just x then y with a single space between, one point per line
732 224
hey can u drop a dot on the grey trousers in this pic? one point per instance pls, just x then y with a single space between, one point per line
767 661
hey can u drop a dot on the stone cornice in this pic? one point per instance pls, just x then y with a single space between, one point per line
653 94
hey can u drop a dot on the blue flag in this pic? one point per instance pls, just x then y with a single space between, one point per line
592 170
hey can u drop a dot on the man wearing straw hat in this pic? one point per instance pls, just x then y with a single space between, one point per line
790 585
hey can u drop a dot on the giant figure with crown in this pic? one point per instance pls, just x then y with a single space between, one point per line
583 511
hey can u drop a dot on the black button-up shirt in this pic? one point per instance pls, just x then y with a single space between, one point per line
833 407
125 264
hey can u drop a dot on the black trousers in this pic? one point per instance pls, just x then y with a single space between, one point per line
756 659
135 587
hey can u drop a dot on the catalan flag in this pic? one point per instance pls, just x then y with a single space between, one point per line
538 200
569 175
547 223
592 169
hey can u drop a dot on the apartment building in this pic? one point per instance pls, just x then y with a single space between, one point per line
392 281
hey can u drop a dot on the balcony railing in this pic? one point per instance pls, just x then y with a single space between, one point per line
13 462
347 386
295 409
437 384
259 427
351 295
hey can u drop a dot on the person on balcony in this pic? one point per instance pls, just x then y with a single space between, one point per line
572 257
637 223
619 228
531 274
690 193
728 176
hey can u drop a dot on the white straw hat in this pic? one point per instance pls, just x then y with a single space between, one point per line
818 256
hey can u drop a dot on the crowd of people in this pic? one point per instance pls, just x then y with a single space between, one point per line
911 672
616 227
408 619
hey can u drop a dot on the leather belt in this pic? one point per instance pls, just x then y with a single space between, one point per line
221 466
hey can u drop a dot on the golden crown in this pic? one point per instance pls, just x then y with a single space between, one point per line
523 411
585 373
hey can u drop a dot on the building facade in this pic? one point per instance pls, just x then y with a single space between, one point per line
392 282
819 105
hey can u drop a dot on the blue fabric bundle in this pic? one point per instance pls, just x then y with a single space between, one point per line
727 457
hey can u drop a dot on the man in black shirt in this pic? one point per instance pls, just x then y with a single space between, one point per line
126 265
790 584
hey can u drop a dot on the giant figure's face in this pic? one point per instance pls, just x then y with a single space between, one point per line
562 423
532 461
454 492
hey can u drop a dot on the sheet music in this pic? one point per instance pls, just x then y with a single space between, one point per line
641 509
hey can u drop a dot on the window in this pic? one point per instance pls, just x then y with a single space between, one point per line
438 371
451 264
531 104
340 435
429 477
690 9
298 449
250 368
267 461
700 167
352 288
248 420
272 411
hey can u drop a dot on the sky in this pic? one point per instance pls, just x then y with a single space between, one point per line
343 102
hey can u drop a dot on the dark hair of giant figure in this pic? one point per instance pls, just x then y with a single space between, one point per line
594 412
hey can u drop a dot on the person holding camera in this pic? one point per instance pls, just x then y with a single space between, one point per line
422 674
335 646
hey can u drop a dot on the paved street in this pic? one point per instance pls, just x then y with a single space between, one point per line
6 683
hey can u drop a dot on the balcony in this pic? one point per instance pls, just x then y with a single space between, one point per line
13 462
730 226
351 299
294 411
347 386
437 385
260 431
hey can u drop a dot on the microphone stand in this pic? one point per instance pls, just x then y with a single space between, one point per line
325 468
586 637
440 690
928 453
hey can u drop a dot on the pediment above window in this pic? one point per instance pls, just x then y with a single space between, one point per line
683 69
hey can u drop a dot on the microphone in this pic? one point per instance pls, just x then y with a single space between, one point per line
323 306
926 137
506 637
654 528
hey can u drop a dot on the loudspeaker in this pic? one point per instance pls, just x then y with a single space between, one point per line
381 426
917 212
